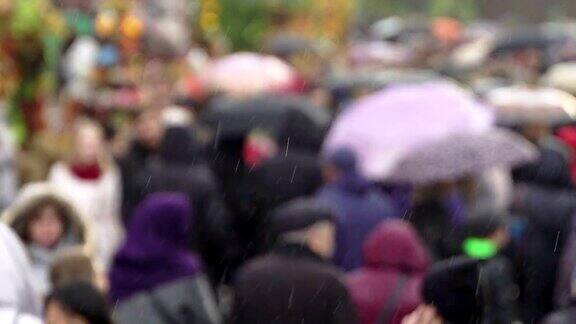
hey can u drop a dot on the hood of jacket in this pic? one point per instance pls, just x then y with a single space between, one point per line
17 216
394 244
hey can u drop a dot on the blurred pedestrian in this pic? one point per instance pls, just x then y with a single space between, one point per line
423 315
294 283
75 265
47 224
298 173
90 180
8 170
545 199
18 290
358 205
479 285
437 213
387 288
77 302
486 234
564 283
8 315
567 312
155 278
145 147
181 169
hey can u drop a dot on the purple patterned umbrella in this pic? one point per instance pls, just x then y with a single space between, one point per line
458 155
382 127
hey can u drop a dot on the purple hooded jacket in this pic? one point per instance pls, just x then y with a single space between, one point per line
156 249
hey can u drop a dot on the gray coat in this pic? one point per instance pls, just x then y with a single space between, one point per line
187 301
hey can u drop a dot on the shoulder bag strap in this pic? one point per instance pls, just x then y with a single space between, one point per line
391 304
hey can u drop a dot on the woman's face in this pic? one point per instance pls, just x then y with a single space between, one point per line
46 228
88 146
55 314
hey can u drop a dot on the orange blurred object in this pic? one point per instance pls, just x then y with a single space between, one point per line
131 27
447 30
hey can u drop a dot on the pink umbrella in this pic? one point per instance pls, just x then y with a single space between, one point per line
247 74
383 127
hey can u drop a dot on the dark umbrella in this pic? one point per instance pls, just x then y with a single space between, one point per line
525 40
376 80
285 46
292 121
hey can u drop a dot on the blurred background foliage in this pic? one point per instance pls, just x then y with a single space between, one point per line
247 23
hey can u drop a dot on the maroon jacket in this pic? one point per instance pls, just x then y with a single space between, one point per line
392 250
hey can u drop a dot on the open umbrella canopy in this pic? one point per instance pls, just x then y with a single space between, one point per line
378 53
458 155
291 120
286 45
246 74
382 127
561 76
396 28
527 39
522 104
376 80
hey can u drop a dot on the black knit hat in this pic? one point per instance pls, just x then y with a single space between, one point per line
484 223
299 214
83 299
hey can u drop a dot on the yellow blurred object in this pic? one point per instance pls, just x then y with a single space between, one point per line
131 27
106 23
209 16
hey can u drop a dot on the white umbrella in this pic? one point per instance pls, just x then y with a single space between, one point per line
523 104
561 76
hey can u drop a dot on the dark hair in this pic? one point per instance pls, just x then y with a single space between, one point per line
32 212
81 298
484 223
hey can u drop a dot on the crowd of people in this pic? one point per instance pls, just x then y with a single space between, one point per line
422 172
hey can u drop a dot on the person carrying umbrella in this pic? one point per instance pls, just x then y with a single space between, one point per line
359 206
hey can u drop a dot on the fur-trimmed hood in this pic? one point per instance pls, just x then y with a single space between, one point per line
77 231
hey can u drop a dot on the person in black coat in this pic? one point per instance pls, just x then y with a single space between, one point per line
180 169
545 198
269 185
149 135
566 313
486 234
294 283
477 287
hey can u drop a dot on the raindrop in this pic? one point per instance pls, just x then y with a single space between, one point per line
293 174
217 135
287 147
